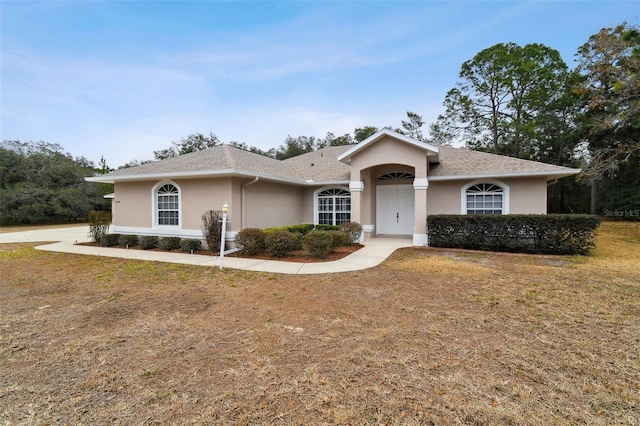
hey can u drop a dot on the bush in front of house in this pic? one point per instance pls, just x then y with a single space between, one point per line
251 240
293 230
212 228
149 242
169 243
545 234
302 229
280 243
110 240
188 245
128 240
353 231
323 227
318 243
99 222
338 239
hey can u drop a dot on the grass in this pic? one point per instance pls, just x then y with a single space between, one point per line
428 337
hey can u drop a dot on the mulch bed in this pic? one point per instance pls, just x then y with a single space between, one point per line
299 256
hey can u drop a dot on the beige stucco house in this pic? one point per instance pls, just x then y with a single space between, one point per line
389 183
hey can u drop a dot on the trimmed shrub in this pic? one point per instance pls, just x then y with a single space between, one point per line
322 227
149 242
251 240
298 235
303 229
110 240
318 243
280 243
547 234
128 240
189 244
353 231
212 228
338 239
169 243
99 222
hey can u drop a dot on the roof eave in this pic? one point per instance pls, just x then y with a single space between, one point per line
191 175
550 175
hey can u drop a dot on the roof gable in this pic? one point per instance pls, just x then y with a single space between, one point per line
430 150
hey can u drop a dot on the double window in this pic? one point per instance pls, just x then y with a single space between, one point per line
485 198
168 205
334 206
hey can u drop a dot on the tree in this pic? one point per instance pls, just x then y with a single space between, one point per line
362 133
610 90
296 146
332 140
193 142
413 126
502 91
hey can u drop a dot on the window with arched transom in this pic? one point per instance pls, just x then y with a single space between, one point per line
333 206
167 199
485 198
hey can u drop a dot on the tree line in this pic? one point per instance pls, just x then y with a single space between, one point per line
40 182
520 101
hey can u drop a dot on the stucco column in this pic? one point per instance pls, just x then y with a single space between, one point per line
356 188
420 186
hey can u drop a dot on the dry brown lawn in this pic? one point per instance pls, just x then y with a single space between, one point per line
428 337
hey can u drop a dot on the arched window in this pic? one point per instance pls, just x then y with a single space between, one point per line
396 176
485 198
334 206
168 205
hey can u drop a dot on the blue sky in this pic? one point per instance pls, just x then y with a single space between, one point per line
121 79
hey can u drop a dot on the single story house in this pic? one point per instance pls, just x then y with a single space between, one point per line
388 183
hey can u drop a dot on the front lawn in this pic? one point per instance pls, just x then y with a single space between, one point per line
428 337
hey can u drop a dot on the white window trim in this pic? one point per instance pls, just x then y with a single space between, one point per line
505 194
316 215
154 204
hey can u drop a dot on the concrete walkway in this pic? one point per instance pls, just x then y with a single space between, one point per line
374 252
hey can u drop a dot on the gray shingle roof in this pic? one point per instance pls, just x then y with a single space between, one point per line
323 166
221 158
464 162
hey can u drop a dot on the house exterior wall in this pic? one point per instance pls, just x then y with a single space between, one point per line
528 196
132 204
271 204
308 204
202 195
443 197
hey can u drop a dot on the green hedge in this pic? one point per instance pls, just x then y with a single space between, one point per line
169 243
280 243
128 240
251 240
188 245
149 242
318 243
548 234
110 240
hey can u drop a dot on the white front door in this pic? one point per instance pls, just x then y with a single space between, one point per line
395 210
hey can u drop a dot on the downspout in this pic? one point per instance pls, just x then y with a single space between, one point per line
242 215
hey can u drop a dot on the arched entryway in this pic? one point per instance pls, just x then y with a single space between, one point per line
395 203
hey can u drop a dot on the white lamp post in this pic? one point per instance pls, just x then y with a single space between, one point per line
225 209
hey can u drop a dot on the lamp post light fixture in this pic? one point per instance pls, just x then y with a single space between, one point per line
225 210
